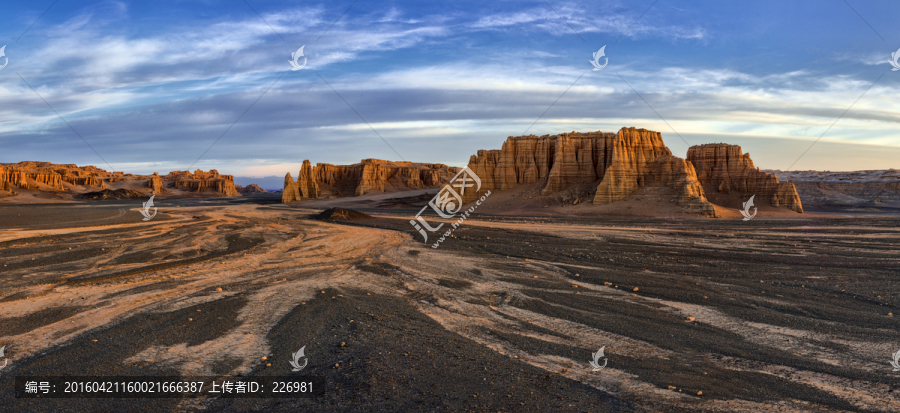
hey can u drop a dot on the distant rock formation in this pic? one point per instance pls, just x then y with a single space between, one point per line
845 188
725 170
40 175
155 184
358 179
250 189
201 181
611 166
45 176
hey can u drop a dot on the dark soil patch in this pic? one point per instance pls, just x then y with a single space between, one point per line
341 214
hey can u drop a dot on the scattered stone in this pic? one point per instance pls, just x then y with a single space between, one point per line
264 358
672 387
635 289
607 283
691 319
219 289
699 393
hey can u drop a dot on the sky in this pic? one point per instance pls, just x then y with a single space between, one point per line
157 86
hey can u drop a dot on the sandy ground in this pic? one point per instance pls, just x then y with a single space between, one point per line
695 315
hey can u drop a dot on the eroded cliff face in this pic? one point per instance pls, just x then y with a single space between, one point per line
201 181
564 160
632 160
47 176
728 175
358 179
306 181
609 165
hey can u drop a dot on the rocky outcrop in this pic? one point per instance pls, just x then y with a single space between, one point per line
724 170
31 175
155 184
563 160
380 175
291 190
306 181
45 176
633 153
679 180
358 179
606 166
201 181
250 189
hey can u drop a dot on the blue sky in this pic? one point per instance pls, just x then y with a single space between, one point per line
152 85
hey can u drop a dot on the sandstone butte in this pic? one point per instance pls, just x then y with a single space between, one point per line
724 169
45 176
326 180
612 166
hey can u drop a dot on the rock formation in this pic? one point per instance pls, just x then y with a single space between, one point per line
155 184
201 181
358 179
612 166
633 153
45 176
291 190
725 170
306 181
250 189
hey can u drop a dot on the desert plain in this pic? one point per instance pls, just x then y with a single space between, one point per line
694 314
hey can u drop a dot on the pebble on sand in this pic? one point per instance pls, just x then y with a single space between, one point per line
264 358
699 393
672 387
691 318
219 289
635 289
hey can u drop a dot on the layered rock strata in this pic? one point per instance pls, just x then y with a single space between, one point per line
201 181
611 165
45 176
725 169
358 179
